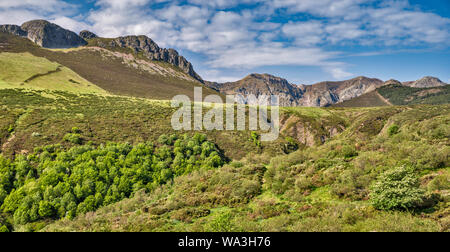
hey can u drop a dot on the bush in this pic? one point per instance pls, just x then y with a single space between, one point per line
76 130
397 189
349 151
74 138
393 130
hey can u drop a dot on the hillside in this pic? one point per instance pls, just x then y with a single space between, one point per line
262 187
403 95
132 66
23 70
396 94
371 99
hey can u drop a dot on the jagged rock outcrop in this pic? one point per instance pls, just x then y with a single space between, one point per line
50 35
145 45
425 82
13 29
318 95
87 34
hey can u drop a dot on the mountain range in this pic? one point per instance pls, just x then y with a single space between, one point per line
136 65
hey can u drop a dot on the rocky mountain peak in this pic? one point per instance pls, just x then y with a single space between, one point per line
151 50
426 82
50 35
13 29
87 34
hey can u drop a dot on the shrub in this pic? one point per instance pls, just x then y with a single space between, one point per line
255 138
397 189
393 130
74 138
222 223
440 182
75 130
349 151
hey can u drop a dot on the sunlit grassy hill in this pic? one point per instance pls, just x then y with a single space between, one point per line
23 70
119 72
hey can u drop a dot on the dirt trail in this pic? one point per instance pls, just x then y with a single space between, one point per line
10 139
384 99
12 136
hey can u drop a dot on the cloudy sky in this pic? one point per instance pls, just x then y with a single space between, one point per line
304 41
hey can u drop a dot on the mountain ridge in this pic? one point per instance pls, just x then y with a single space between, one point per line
321 94
52 36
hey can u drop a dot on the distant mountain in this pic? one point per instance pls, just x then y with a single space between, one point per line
45 34
330 92
425 82
262 85
318 95
397 94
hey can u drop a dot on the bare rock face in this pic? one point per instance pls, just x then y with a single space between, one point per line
145 45
13 29
50 35
425 82
87 34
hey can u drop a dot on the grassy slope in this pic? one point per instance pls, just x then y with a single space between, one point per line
107 73
371 99
321 188
52 114
23 70
400 95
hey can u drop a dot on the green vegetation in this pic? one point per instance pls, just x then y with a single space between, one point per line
400 95
404 95
328 184
393 129
397 189
54 183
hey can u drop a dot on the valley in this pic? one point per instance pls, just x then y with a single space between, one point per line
87 145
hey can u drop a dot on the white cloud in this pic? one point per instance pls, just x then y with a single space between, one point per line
250 56
350 9
338 73
248 38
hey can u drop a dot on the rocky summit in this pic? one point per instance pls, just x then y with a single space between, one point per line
50 35
13 29
146 46
425 82
87 34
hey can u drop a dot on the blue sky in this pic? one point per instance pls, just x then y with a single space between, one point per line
304 41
